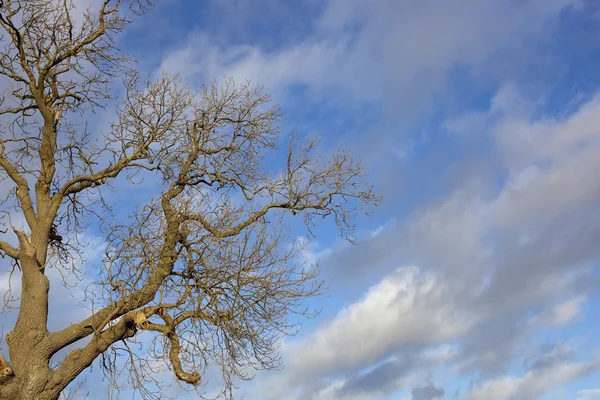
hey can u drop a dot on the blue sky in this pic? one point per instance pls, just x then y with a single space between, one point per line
479 121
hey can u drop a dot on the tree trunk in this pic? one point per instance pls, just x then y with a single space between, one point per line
27 344
32 386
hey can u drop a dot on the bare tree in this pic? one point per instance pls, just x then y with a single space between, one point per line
206 266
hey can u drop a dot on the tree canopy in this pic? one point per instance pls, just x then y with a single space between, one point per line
206 264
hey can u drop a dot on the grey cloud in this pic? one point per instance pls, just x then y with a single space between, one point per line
547 223
382 379
550 355
533 384
476 267
429 392
396 52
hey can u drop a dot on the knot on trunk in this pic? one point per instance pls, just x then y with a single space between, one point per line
6 371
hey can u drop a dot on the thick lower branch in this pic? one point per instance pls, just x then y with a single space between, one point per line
93 324
80 359
145 295
6 371
9 250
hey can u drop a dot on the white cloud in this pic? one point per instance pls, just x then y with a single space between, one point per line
588 394
532 385
201 59
406 308
565 312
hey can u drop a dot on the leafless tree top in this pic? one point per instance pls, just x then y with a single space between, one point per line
206 264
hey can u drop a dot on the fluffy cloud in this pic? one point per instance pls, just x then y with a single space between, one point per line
404 309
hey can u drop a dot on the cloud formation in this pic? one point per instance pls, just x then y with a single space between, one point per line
398 53
532 385
493 270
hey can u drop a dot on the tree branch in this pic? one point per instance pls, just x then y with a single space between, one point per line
9 250
160 271
78 360
22 187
